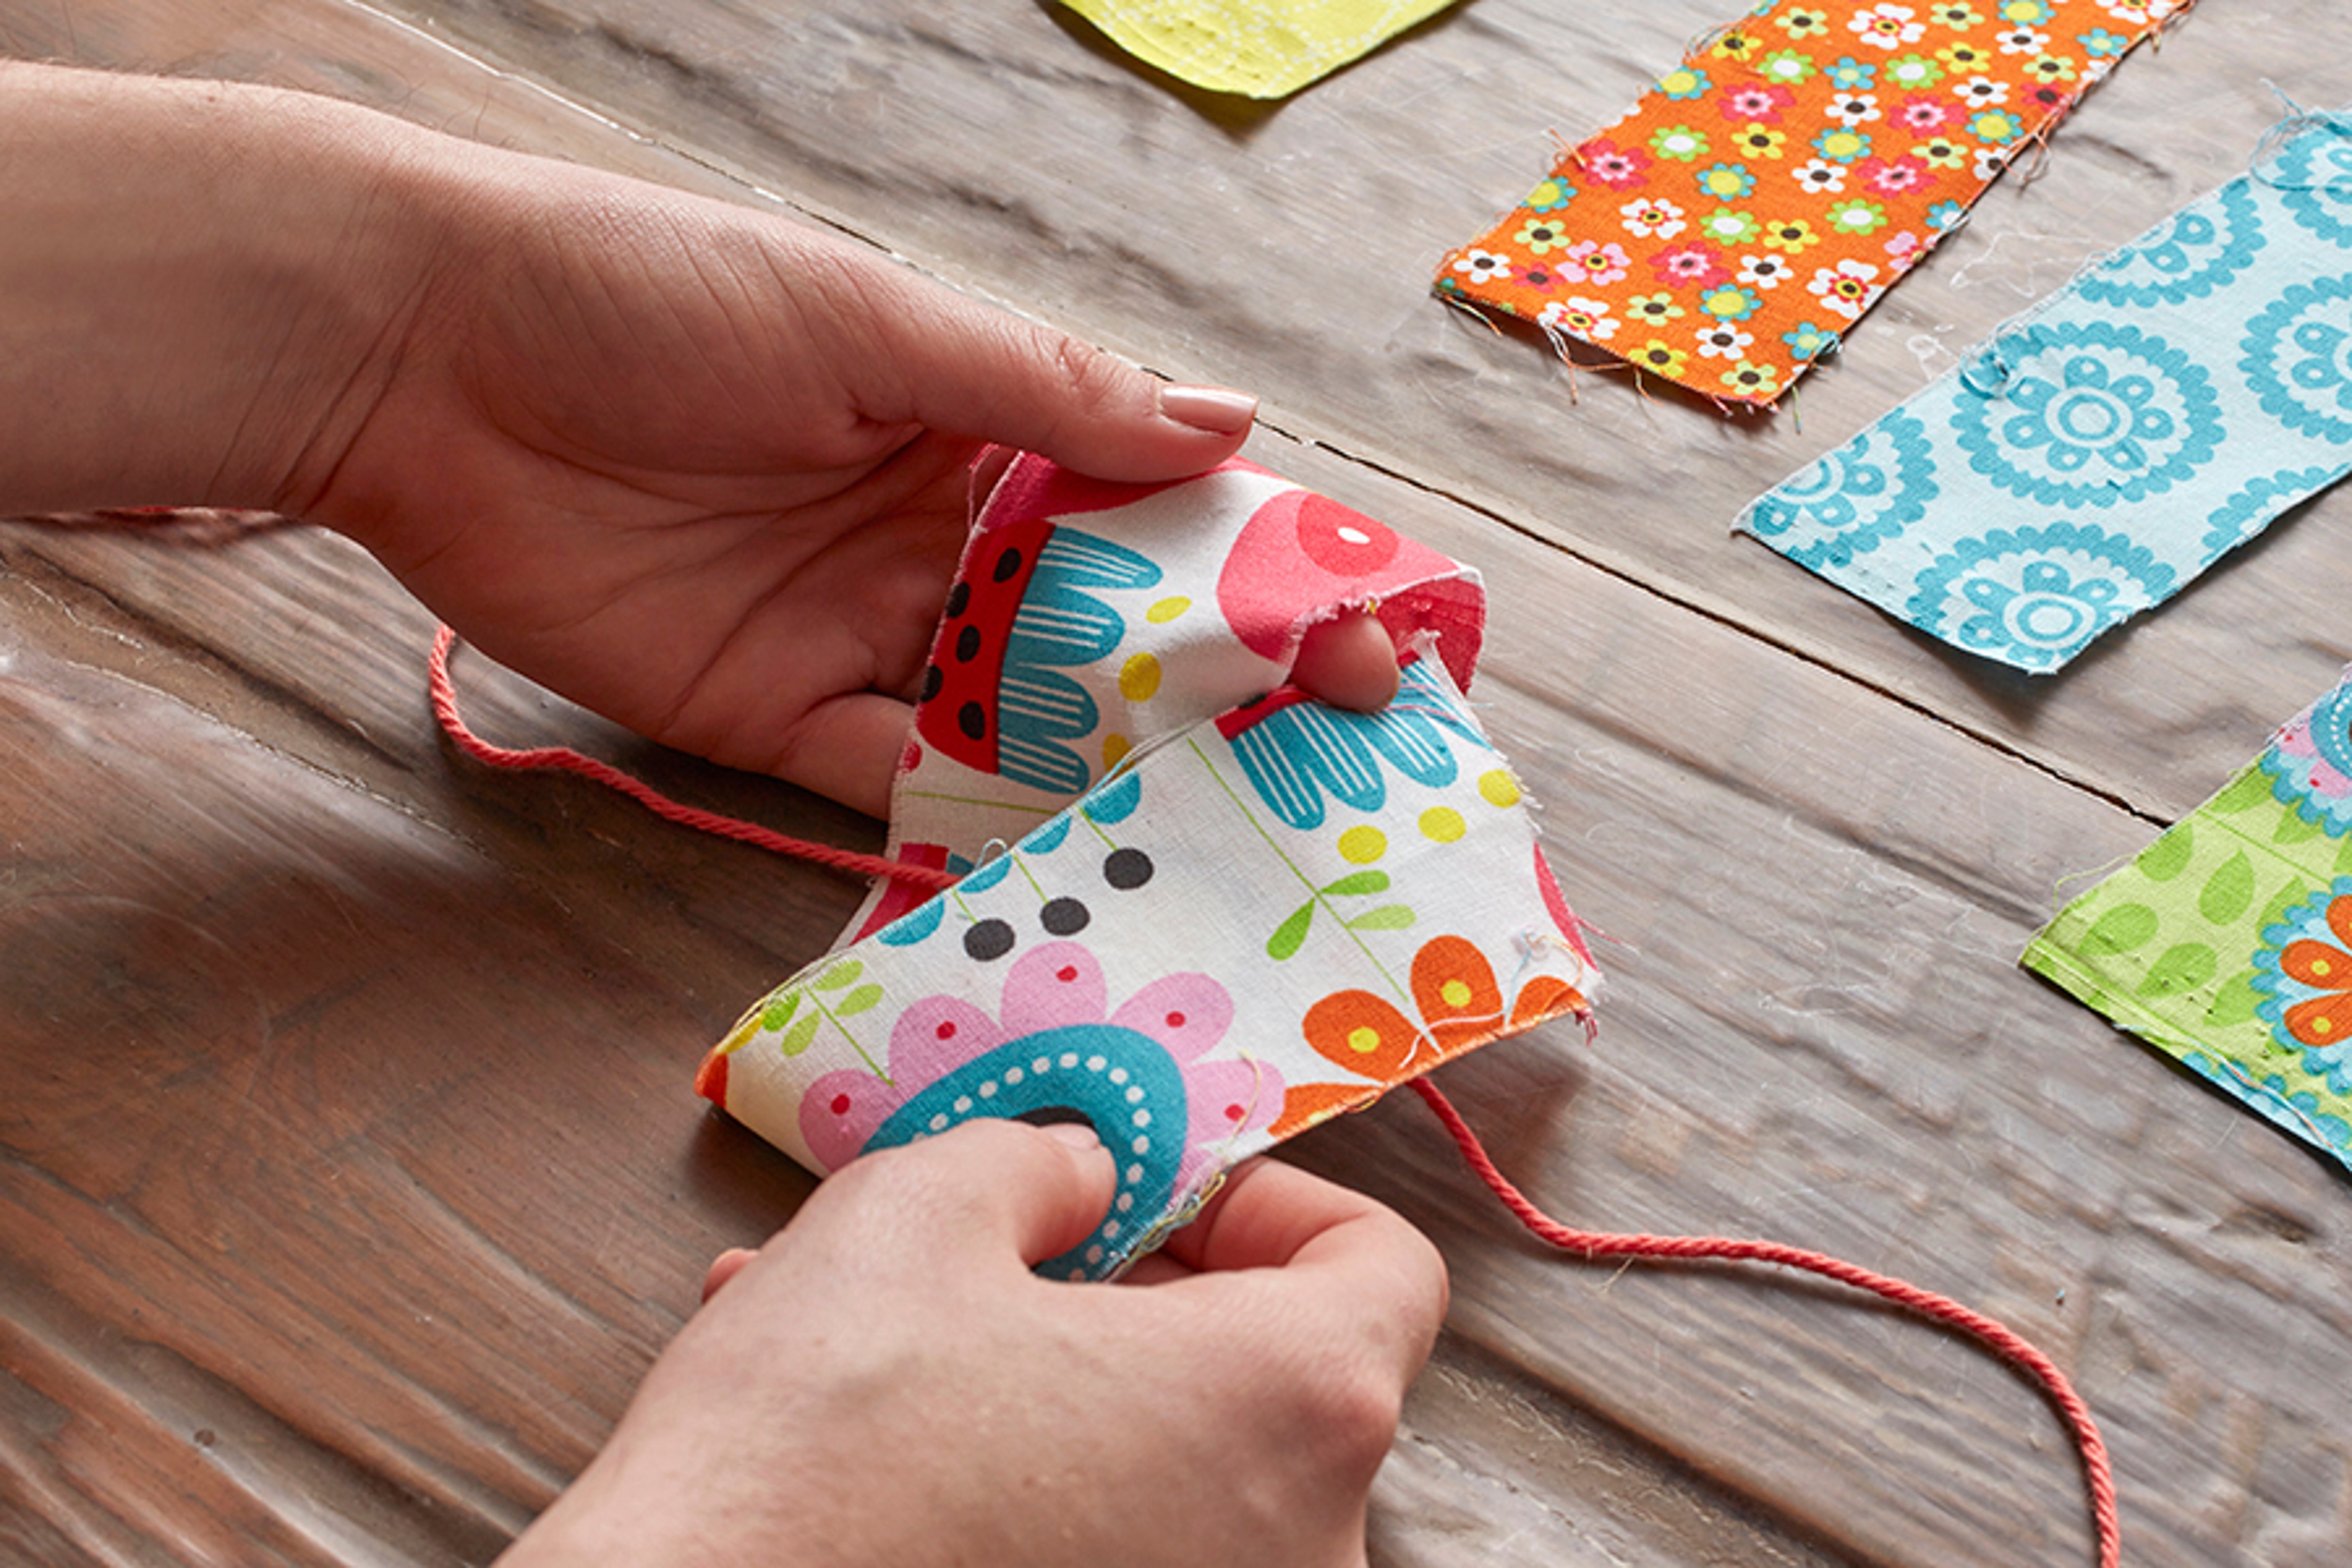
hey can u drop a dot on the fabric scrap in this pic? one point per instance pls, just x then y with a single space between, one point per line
2226 944
2099 452
1249 46
1729 229
1090 619
1264 921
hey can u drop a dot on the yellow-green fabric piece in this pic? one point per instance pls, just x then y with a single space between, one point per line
2226 944
1258 48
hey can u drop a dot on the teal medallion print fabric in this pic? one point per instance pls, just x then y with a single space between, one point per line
2100 451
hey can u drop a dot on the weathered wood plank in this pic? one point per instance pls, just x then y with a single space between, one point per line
1289 249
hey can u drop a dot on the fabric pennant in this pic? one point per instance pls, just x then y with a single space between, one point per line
1730 228
1226 912
2099 453
1089 619
1249 46
2226 944
1266 922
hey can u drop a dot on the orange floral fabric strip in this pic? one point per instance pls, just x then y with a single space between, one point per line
1728 230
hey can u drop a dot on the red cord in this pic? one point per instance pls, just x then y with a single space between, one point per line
1994 1336
565 760
1591 1244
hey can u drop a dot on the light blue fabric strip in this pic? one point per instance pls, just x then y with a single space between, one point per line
2100 451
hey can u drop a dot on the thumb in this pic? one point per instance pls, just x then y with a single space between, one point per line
989 1188
913 352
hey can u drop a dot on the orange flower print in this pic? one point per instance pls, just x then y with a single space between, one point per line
1825 133
2320 972
1461 1006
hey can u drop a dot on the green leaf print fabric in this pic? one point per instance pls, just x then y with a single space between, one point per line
2228 943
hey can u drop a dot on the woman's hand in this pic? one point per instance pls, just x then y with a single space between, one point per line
886 1381
700 469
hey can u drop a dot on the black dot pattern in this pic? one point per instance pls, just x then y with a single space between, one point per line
988 940
1127 868
959 600
967 646
1007 566
933 679
972 720
1065 917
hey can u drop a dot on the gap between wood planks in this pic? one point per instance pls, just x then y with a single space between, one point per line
1656 590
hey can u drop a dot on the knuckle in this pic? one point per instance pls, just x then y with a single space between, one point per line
1356 1413
1093 379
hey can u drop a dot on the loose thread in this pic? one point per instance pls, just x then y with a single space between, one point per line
2003 1342
563 759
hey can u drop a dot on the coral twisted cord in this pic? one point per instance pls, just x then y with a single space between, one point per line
1588 1244
565 760
1996 1337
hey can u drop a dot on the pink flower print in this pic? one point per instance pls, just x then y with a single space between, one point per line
1894 176
1612 166
1846 288
1700 266
1905 248
1884 26
1589 261
1922 113
1056 1050
1760 101
1651 218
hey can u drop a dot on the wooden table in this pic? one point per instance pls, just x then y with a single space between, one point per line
352 1177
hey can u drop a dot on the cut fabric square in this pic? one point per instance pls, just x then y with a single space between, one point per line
1736 221
2226 944
1253 47
1267 920
2096 454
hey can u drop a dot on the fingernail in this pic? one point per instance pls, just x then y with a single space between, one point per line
1078 1135
1217 409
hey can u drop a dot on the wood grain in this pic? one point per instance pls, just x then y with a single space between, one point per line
1290 248
349 1179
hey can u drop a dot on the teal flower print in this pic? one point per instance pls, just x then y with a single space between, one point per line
1809 342
1294 752
1946 216
2310 764
1685 82
1840 146
1851 75
2314 176
2298 358
2035 598
2206 244
2259 499
2087 414
1855 499
1550 195
1726 182
994 696
2100 44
